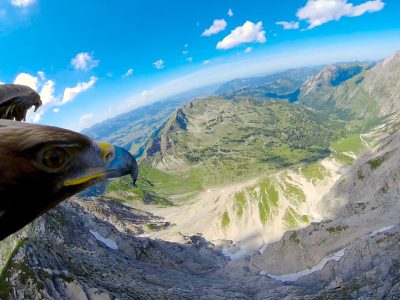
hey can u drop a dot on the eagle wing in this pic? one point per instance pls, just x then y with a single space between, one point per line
16 100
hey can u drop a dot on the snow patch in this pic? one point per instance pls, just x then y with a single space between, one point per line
108 242
382 230
350 154
238 254
262 249
145 235
294 276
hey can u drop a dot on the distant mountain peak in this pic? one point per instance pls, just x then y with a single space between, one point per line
332 75
395 58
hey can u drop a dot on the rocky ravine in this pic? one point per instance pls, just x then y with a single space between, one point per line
75 255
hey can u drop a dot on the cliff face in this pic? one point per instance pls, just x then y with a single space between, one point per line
163 140
362 90
383 84
361 228
85 250
93 250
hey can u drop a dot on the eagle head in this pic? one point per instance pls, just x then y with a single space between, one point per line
41 165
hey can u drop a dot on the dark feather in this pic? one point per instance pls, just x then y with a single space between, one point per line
29 186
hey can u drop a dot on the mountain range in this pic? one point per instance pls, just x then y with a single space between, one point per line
284 185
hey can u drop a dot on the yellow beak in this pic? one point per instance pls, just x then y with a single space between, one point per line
107 154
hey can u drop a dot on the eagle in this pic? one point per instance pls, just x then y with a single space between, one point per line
40 166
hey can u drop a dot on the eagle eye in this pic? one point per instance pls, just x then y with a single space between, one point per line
54 158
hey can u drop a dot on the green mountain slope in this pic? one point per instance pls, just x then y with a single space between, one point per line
131 130
362 91
227 141
248 165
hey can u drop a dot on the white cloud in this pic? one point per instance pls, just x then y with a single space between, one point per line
44 88
35 117
230 13
27 79
84 61
84 119
128 73
288 25
318 12
22 3
186 45
47 93
48 100
41 75
248 50
184 52
159 64
145 93
206 62
71 92
247 33
189 59
217 26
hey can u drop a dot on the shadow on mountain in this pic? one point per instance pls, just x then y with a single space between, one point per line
287 160
70 260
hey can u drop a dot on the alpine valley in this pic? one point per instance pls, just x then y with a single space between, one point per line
285 186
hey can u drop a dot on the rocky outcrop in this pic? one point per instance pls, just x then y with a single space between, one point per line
331 76
180 119
76 255
371 91
363 208
163 141
153 147
320 91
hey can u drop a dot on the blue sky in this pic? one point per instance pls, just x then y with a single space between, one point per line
94 59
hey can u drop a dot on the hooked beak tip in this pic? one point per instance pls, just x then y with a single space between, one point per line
123 163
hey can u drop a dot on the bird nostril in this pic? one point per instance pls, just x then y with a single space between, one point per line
109 156
107 151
